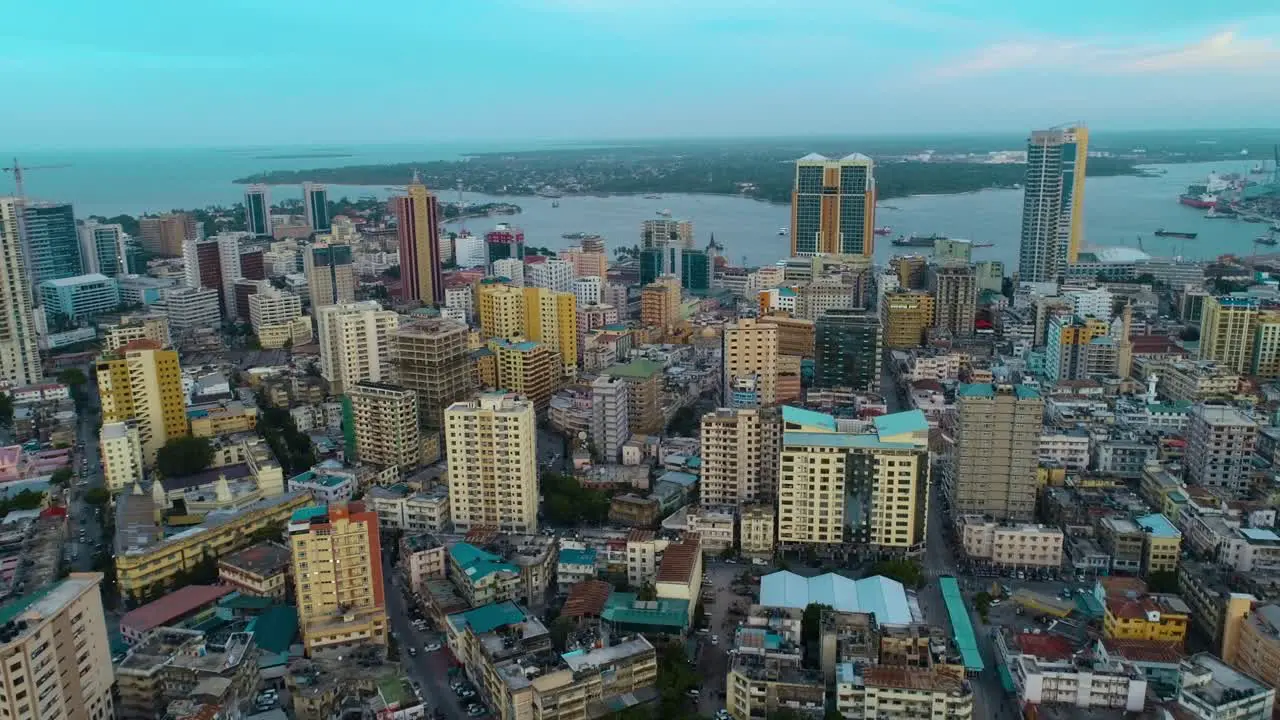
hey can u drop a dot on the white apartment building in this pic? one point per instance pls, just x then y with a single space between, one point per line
491 447
1071 450
470 251
609 429
589 290
277 320
732 468
868 692
644 555
386 425
462 299
556 275
510 268
191 308
1021 546
355 343
120 447
1094 302
1044 672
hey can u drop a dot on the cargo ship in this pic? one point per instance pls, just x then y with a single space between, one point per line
1170 233
1199 199
918 240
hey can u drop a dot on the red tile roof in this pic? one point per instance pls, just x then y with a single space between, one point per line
1145 650
678 562
587 598
1045 647
172 606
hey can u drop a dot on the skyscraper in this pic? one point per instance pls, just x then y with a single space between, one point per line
355 343
337 575
144 383
19 353
833 206
53 243
751 351
386 425
102 246
847 350
315 198
955 297
551 318
997 439
257 210
417 223
431 358
491 443
330 275
165 234
1053 202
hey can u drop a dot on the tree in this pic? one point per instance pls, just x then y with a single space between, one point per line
1190 333
97 496
647 592
25 500
907 572
184 456
982 603
72 377
1165 581
6 410
62 476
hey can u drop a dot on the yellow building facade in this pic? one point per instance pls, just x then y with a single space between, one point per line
337 573
501 312
906 316
144 383
551 318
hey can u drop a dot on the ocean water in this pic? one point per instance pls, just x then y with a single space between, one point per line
1118 210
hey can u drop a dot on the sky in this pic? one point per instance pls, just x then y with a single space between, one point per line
158 73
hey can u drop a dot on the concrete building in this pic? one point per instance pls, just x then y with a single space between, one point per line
78 298
847 350
750 349
257 210
19 349
120 451
491 445
57 653
421 250
136 327
261 570
666 232
610 400
1227 325
955 297
1012 546
1213 690
502 313
165 234
586 263
144 383
1220 445
1258 652
553 275
735 443
1079 349
866 692
833 206
1162 544
386 425
994 460
660 303
872 486
905 316
1044 671
588 290
430 358
337 572
550 318
189 308
512 269
355 343
757 527
528 368
645 413
330 274
1053 203
315 204
277 320
52 244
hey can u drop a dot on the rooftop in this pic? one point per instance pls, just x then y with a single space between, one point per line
678 563
264 559
664 613
807 419
172 606
577 556
488 618
884 597
479 564
587 599
76 280
640 369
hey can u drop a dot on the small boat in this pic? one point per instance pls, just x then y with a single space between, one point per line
918 240
652 197
984 245
1266 240
664 213
555 203
1170 233
883 230
782 231
1216 214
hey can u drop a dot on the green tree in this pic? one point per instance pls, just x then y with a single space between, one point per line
907 572
982 603
62 476
1165 581
1190 333
184 456
647 592
72 377
97 496
6 410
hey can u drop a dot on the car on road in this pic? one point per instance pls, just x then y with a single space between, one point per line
475 710
715 639
413 652
431 646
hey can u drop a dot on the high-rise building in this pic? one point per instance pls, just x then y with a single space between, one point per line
337 576
510 269
1220 446
19 351
586 263
144 383
873 486
103 248
529 368
750 350
470 251
73 299
955 297
1079 348
666 232
57 653
231 269
315 200
1053 203
695 271
52 241
551 318
847 350
502 313
734 444
431 358
833 206
120 449
166 234
660 303
330 275
189 308
1227 328
505 242
588 290
609 429
553 274
386 425
257 210
906 316
995 459
491 444
277 319
202 266
418 229
137 327
355 343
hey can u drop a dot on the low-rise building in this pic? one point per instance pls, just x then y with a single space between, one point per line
1213 690
680 572
756 529
400 507
423 558
261 570
867 692
574 565
1162 544
326 484
1045 670
226 417
1124 541
1133 614
1023 546
193 602
756 687
482 577
173 664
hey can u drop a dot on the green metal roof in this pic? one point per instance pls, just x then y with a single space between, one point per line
641 369
961 628
275 629
625 608
11 610
488 618
306 514
478 564
843 440
800 416
898 423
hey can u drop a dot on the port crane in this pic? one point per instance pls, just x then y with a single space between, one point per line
18 170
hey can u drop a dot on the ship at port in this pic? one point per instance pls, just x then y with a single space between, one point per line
918 240
1174 234
1266 240
580 236
1209 194
883 230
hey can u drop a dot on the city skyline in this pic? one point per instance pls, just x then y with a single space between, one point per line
586 68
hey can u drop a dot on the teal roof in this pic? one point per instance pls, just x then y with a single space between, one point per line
662 613
884 597
961 628
488 618
786 292
1159 526
987 390
800 416
640 368
11 610
574 556
898 423
478 564
240 601
843 440
683 479
306 514
276 629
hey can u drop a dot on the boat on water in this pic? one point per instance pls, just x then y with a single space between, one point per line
984 245
1266 240
1216 214
1174 234
782 231
652 197
579 236
883 230
1258 169
555 203
914 240
1200 200
664 213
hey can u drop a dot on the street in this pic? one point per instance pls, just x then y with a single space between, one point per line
429 670
713 660
81 515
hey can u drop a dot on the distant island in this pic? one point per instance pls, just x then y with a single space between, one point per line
302 156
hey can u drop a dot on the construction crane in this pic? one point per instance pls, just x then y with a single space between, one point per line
18 170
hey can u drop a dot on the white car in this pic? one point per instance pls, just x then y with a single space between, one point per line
715 639
431 647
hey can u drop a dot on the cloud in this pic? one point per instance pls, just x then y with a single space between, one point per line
1225 50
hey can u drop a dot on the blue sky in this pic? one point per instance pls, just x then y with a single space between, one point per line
158 73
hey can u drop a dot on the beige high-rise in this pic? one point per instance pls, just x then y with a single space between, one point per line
751 350
19 353
337 575
995 458
165 234
355 343
491 446
955 297
56 653
144 383
330 275
386 425
739 451
431 358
